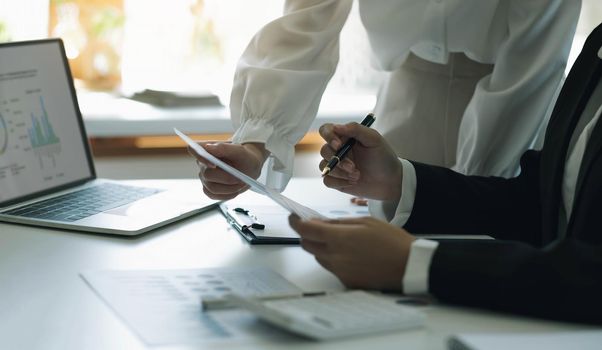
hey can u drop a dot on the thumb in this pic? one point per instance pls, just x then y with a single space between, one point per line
212 148
364 135
224 150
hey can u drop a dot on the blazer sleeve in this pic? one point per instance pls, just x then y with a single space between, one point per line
562 281
447 202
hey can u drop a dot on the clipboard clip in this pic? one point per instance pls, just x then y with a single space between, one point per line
250 228
244 219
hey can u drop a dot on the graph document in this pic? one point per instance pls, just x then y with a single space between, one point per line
41 144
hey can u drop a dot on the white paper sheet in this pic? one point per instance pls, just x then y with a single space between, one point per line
164 306
582 340
302 211
275 218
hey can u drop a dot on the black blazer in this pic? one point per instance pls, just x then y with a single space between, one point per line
528 269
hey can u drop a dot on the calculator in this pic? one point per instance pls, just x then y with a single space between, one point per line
336 315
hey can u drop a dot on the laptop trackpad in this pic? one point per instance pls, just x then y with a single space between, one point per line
168 203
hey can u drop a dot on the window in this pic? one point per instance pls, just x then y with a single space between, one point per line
166 44
185 44
21 20
188 44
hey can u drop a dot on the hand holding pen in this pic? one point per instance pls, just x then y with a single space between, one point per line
371 171
342 152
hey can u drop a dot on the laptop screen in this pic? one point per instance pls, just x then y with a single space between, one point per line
43 146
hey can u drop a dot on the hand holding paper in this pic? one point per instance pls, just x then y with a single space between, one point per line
302 211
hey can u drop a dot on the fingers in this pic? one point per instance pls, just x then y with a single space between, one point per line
216 188
340 177
358 221
224 150
200 160
217 183
334 136
212 147
344 170
324 262
342 185
222 192
366 136
326 131
315 248
328 232
362 202
218 176
224 196
313 230
361 252
326 151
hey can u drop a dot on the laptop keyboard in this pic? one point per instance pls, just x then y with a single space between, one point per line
83 203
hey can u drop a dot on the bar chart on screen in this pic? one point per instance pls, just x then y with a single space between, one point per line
28 138
42 137
3 135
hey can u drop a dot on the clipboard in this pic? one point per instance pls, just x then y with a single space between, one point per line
261 224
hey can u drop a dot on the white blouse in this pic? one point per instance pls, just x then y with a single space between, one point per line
283 72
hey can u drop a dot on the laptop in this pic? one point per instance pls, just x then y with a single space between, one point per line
47 175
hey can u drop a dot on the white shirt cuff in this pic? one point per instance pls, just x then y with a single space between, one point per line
398 212
282 153
416 277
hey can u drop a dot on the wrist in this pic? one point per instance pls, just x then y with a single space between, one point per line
258 150
405 241
417 267
396 182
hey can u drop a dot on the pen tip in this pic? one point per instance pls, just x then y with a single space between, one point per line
325 171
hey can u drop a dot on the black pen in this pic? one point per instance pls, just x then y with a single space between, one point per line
342 152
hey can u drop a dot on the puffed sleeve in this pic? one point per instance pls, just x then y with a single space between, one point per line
509 106
281 76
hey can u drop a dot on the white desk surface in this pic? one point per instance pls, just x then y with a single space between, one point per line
106 115
44 304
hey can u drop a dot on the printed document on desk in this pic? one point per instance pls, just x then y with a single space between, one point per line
249 207
164 306
302 211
